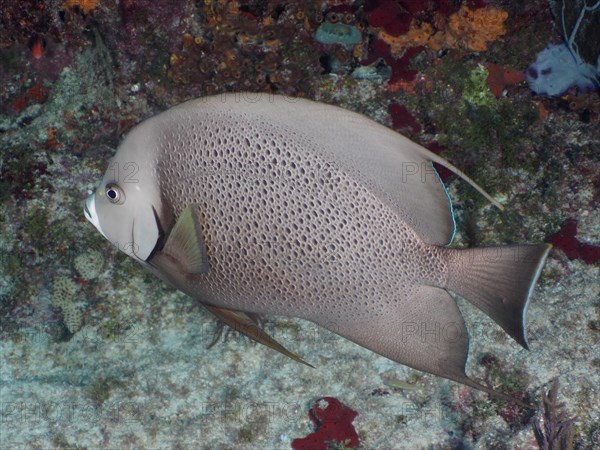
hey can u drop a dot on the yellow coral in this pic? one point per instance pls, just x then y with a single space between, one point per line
468 29
63 295
72 318
63 291
417 35
85 5
473 29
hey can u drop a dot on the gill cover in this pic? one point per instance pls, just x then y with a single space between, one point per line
146 233
133 226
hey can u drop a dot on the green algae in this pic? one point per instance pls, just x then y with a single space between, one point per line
476 90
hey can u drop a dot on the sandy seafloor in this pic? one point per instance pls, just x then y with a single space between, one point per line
169 391
137 373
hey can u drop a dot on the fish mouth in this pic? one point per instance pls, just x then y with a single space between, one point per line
89 211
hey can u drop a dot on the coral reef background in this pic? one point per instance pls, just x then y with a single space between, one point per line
95 353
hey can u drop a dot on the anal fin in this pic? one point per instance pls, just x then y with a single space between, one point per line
422 329
240 321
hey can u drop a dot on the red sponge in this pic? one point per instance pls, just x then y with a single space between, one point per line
333 420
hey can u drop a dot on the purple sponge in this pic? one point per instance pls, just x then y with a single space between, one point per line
557 69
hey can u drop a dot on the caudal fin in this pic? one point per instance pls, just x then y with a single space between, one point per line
499 281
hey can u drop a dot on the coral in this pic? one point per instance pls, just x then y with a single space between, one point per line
405 85
552 429
84 5
254 428
377 71
51 35
467 29
338 33
418 34
63 294
72 318
21 22
23 173
474 29
391 16
89 264
574 249
143 40
35 94
270 46
333 420
483 129
60 441
35 225
401 71
63 291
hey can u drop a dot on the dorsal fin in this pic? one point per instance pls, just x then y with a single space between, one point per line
395 169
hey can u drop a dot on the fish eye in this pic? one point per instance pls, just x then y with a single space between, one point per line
115 194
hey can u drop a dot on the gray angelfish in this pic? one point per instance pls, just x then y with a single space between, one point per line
255 203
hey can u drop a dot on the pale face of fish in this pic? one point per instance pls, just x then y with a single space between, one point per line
126 204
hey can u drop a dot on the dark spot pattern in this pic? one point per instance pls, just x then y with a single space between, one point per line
287 231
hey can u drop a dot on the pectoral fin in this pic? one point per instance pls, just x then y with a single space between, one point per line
186 244
240 321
